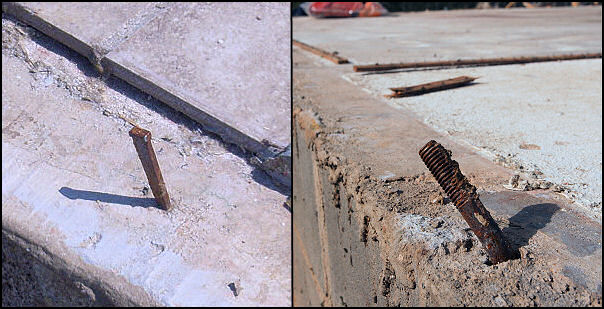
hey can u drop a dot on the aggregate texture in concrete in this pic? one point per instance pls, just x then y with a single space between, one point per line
371 209
76 203
225 65
456 34
543 120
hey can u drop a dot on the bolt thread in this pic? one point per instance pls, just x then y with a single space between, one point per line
464 196
447 173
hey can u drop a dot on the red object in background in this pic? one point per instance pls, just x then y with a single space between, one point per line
346 9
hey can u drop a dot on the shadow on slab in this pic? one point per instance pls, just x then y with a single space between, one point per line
74 194
526 223
264 179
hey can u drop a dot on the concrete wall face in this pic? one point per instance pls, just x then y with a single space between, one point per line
307 245
339 240
353 249
29 282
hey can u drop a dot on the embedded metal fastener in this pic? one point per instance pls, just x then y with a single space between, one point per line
142 143
464 196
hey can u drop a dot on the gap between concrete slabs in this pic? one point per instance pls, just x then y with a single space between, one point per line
218 77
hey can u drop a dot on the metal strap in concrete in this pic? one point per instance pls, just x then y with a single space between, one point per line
92 29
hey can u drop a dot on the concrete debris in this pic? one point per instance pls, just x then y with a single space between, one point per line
517 184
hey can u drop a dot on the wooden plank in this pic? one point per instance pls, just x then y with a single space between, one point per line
431 87
329 56
472 62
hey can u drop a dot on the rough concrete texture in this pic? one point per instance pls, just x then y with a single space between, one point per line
230 60
457 34
542 119
92 35
225 65
372 226
76 199
27 282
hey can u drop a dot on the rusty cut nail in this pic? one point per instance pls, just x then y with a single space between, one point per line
464 196
142 143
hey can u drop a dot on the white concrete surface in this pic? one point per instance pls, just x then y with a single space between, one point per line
545 117
73 186
456 34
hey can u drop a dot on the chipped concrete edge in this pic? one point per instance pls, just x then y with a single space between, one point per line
351 181
275 161
108 288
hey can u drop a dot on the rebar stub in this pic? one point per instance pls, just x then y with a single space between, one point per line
464 196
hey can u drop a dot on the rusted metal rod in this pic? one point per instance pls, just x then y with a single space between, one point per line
472 62
431 87
464 196
329 56
142 143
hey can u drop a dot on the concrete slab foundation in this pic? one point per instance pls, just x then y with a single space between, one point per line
456 34
77 210
374 228
225 65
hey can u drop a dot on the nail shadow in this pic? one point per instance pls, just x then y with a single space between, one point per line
74 194
526 223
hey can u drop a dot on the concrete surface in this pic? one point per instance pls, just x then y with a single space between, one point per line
457 34
92 35
373 228
543 120
74 196
223 59
225 65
